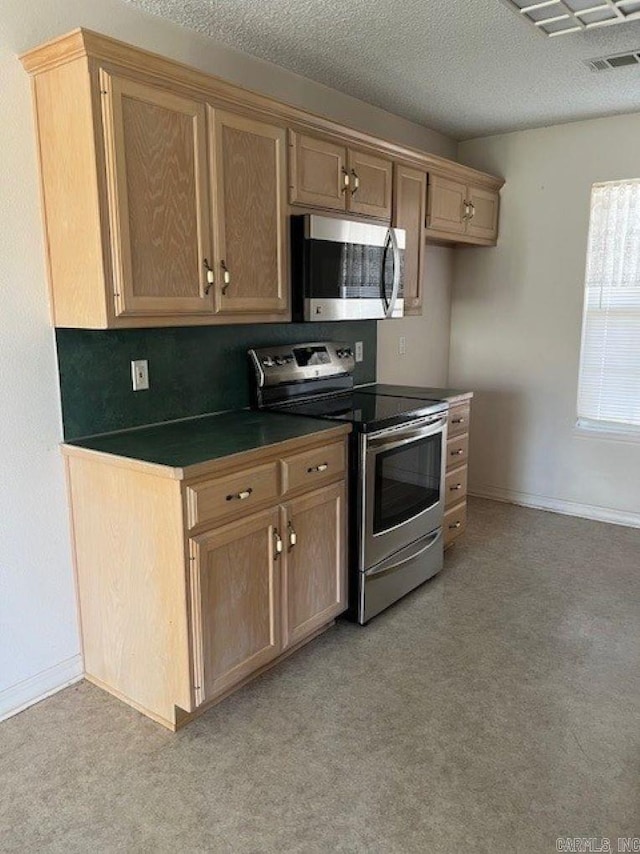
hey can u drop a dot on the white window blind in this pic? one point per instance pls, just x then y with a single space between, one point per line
609 382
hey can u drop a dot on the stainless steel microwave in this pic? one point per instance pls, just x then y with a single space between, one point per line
346 270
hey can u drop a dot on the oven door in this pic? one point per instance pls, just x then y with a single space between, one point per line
403 487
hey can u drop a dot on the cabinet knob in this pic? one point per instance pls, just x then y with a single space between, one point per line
210 276
457 420
457 453
321 467
226 277
277 544
455 525
240 496
293 537
455 488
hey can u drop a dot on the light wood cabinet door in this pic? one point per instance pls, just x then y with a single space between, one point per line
446 205
409 202
370 180
158 195
249 180
314 588
317 172
484 205
235 592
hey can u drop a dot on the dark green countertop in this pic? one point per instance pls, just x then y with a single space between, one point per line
180 444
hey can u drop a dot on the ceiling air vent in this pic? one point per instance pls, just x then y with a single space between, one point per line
610 63
559 17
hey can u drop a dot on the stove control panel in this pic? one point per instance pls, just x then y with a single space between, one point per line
296 362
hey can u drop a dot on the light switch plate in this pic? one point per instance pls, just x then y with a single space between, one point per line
359 351
140 374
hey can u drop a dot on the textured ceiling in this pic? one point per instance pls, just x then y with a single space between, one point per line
464 67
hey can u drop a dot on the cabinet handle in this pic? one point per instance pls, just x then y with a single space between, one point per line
345 180
293 537
467 213
356 182
473 210
277 545
226 277
240 496
321 467
210 276
455 525
457 453
455 488
457 420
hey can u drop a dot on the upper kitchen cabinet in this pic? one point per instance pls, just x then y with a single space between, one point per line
157 197
333 177
409 199
318 174
462 212
369 192
164 190
249 190
159 208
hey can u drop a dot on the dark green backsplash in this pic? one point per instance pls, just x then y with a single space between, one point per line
192 370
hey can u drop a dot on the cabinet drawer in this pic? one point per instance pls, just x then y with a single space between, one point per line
455 522
457 451
235 493
458 420
455 486
316 466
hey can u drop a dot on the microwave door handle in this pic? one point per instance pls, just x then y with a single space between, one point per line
383 285
396 273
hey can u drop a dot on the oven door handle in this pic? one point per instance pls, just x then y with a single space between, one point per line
383 444
390 566
391 307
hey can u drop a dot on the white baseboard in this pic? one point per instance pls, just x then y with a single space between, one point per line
18 697
556 505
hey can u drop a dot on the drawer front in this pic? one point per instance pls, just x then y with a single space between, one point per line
237 493
455 522
314 467
455 486
458 421
457 451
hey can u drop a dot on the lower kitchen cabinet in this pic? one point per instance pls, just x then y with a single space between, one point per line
235 585
455 484
193 580
314 581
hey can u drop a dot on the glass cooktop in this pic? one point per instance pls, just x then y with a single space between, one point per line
364 410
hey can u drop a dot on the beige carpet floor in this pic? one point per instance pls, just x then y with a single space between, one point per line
495 709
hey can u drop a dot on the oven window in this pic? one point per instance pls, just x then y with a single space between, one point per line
407 482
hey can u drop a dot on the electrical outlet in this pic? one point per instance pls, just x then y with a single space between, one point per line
402 346
140 374
359 351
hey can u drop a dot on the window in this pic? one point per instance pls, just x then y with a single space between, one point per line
609 382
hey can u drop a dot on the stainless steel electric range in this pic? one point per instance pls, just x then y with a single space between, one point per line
396 470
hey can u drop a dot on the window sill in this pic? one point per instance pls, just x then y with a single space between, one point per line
614 434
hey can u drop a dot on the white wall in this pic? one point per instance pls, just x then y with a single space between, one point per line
39 647
426 360
516 322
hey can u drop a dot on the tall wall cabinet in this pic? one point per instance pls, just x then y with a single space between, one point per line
166 192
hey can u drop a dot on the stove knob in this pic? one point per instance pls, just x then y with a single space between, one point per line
280 360
268 362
